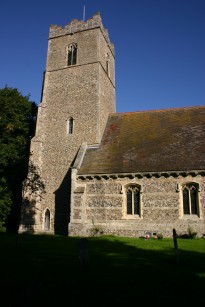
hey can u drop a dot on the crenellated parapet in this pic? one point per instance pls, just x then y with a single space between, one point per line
79 25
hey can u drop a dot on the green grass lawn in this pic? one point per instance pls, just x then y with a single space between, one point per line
39 270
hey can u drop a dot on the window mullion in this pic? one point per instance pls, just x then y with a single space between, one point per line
133 203
190 212
72 56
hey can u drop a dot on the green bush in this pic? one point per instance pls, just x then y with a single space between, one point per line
191 232
160 235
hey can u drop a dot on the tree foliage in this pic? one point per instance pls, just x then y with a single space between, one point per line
17 127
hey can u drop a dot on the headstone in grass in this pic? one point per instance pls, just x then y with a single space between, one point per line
175 246
83 254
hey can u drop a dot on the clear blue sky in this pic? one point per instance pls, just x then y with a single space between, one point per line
159 47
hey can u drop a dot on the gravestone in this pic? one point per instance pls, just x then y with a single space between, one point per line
175 246
83 254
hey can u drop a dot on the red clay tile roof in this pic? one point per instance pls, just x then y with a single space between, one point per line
150 141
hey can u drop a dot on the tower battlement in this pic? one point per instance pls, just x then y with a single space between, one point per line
79 25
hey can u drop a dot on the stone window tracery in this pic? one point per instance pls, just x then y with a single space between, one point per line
133 200
72 54
190 199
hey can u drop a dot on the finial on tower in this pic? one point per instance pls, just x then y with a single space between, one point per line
84 13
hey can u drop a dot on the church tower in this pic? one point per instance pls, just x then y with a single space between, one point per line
78 94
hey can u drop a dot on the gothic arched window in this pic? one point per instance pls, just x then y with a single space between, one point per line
47 220
70 125
72 54
190 198
133 199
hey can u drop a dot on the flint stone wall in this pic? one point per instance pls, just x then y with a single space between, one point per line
85 92
102 205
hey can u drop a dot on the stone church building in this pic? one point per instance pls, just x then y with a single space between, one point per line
93 170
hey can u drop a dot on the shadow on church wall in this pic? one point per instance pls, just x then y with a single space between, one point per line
33 189
62 206
63 203
27 213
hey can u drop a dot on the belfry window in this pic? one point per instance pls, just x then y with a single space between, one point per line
72 54
190 198
70 124
133 200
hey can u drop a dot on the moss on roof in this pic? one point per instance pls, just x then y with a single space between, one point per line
150 141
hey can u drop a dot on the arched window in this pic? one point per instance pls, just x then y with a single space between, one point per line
72 54
133 199
47 220
70 125
190 198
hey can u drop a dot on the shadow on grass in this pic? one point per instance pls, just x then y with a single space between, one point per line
44 271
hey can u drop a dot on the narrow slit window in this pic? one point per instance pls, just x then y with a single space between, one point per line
70 125
108 64
47 220
72 55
